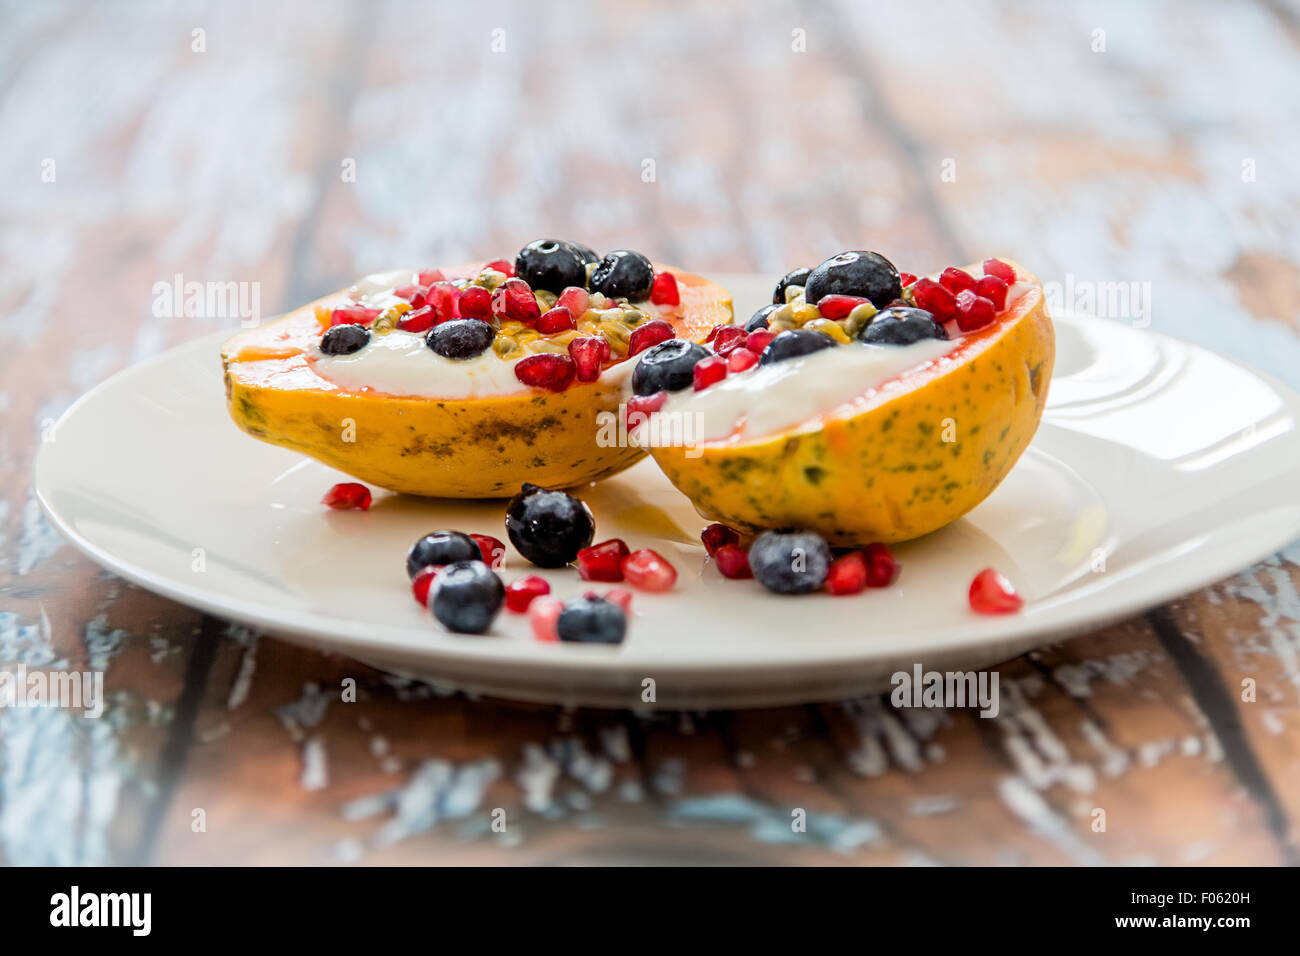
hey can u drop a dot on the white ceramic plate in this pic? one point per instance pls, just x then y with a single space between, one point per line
1176 465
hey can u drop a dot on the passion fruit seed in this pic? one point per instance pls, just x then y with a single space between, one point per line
548 528
344 339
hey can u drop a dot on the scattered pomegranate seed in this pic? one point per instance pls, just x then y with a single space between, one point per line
514 299
504 266
418 320
602 562
733 562
956 280
905 279
974 311
882 566
713 334
522 592
588 355
728 337
664 290
649 570
996 267
993 289
407 292
651 333
709 371
543 613
558 319
741 359
493 550
421 582
575 299
934 298
445 299
991 593
353 315
547 370
348 496
429 276
758 340
847 575
620 596
836 306
716 535
642 406
475 303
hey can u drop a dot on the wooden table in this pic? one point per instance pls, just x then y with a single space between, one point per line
1161 150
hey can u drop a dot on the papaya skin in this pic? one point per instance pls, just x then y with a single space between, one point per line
453 448
880 469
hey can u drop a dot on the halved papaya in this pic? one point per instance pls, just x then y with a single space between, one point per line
479 447
902 458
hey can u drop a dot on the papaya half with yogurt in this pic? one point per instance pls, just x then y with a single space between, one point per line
466 381
887 445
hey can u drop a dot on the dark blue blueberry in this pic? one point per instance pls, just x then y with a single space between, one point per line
592 621
440 547
552 264
901 325
466 597
760 319
461 338
861 273
344 339
793 343
668 366
548 528
790 562
623 274
794 277
588 254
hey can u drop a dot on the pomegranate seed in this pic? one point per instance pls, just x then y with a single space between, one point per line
558 319
418 320
974 311
905 279
353 315
956 280
847 575
445 299
475 303
514 299
347 496
652 333
709 371
713 334
522 592
421 582
996 267
741 359
575 299
759 340
882 566
542 615
664 290
546 370
728 337
993 289
493 550
733 562
649 570
641 406
716 535
504 266
588 355
934 298
991 593
429 276
602 562
620 596
838 306
407 292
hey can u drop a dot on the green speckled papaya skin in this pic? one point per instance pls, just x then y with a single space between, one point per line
919 455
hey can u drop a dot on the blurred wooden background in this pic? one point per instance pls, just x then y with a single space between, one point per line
1152 143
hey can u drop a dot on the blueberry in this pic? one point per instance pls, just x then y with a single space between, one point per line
623 274
441 547
759 320
589 255
466 597
344 339
793 343
794 277
867 274
790 562
901 325
668 366
592 621
548 528
461 338
552 264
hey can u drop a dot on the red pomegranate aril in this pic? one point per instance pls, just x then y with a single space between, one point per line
649 571
406 292
492 549
353 315
728 337
882 566
716 535
733 562
558 319
974 311
956 280
664 290
602 562
847 575
547 370
836 306
418 320
709 371
905 279
620 596
429 276
589 355
476 303
991 593
993 289
347 496
758 340
1003 270
422 581
514 299
543 613
934 298
445 299
521 592
640 407
649 334
575 299
504 266
741 359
